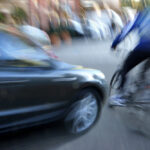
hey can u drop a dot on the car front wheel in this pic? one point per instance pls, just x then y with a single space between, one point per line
84 112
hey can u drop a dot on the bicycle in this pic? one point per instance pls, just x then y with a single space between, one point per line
138 90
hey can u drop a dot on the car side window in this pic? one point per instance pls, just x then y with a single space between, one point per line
18 51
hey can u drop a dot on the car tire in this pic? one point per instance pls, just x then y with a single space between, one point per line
84 112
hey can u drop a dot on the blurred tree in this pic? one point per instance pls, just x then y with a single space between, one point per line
19 15
2 17
147 2
136 4
126 3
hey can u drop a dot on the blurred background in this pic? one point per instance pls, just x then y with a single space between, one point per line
63 20
79 32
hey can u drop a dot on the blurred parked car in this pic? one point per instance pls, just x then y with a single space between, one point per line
129 13
98 24
96 30
116 22
38 36
93 30
35 88
75 28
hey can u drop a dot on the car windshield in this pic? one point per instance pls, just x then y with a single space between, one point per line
38 35
13 47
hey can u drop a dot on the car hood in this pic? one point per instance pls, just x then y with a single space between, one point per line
61 65
65 66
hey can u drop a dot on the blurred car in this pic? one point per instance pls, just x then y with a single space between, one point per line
96 30
116 21
93 30
75 28
39 36
36 89
98 24
129 13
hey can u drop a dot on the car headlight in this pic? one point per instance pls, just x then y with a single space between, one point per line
99 75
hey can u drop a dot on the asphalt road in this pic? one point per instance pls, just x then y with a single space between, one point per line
109 133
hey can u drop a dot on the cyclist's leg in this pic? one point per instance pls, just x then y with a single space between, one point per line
134 58
139 54
147 64
145 67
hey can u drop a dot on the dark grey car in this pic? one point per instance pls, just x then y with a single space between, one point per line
35 88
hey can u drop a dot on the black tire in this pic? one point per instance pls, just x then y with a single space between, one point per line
71 116
115 78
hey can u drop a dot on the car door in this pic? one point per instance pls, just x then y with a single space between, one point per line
20 97
28 96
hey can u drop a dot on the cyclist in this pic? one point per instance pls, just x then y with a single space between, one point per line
141 52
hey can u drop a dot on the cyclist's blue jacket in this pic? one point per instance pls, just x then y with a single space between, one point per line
142 23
